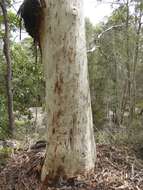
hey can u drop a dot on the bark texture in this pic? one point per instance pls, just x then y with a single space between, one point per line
71 145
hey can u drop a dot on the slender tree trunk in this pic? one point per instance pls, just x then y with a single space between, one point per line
128 64
123 102
116 86
71 145
9 69
135 60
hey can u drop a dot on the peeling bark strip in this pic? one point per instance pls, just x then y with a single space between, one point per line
71 146
6 50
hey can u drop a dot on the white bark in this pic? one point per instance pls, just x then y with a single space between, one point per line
71 146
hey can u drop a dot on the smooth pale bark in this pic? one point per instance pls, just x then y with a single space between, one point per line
71 145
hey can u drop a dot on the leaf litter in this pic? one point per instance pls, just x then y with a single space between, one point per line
116 168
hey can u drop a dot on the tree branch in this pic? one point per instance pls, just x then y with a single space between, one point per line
100 36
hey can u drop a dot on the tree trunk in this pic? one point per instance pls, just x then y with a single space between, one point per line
128 63
71 145
9 70
135 60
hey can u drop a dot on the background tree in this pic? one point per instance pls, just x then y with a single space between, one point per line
117 44
6 49
27 91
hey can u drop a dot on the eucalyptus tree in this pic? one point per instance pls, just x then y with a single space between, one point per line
71 146
59 30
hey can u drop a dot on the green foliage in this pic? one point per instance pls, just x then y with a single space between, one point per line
3 103
13 21
118 16
3 117
27 74
110 66
28 81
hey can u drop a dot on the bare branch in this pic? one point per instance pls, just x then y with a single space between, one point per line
100 36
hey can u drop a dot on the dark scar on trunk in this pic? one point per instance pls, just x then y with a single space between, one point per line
31 13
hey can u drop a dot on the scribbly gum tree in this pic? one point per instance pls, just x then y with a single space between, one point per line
71 146
70 138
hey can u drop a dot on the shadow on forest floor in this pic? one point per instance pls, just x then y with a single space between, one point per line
117 168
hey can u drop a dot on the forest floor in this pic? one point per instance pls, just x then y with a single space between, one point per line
117 168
